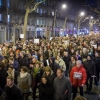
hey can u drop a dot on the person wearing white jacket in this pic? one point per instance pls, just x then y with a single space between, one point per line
61 63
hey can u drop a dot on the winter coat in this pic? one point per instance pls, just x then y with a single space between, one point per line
66 60
24 83
89 65
46 92
13 93
61 64
3 75
24 61
60 86
78 76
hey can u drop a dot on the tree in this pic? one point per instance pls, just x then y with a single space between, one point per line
30 7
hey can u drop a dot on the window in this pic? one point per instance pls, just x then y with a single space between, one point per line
0 3
37 22
41 11
8 3
8 19
40 22
0 17
37 10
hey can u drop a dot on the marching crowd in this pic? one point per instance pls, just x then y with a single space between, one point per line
56 68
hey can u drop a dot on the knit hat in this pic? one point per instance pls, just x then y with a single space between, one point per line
80 98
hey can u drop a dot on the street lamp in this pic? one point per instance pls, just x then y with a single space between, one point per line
82 14
91 17
64 6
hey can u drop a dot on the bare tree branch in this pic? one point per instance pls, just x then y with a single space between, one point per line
36 5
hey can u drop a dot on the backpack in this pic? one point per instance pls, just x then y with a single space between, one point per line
3 96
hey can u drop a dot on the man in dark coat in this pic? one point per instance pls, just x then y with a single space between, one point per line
54 66
97 64
89 65
3 75
62 86
66 59
12 91
23 60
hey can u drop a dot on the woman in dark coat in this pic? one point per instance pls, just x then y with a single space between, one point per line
46 90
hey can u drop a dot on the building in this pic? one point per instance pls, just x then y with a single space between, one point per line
12 18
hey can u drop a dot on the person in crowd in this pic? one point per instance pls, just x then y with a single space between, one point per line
49 74
61 63
66 59
53 65
23 59
62 86
96 59
36 73
72 63
3 75
11 72
12 91
24 82
13 63
78 78
46 90
89 65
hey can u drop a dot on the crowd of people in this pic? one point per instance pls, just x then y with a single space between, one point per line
56 68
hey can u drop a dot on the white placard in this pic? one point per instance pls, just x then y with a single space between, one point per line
95 46
50 38
36 40
21 36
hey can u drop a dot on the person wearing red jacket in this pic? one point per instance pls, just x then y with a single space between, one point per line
78 78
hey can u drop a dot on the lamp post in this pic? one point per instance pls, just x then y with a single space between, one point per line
64 6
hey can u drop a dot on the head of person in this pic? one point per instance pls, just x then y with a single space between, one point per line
34 58
44 80
73 58
89 57
78 63
10 81
47 70
10 69
58 57
60 73
22 53
11 60
37 65
11 54
65 53
96 54
24 69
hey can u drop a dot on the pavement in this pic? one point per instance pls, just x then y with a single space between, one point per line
95 96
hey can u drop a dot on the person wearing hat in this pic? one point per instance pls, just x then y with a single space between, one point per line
89 65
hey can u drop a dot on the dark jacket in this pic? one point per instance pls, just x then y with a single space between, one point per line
66 60
3 75
13 93
24 61
46 92
89 65
54 66
60 86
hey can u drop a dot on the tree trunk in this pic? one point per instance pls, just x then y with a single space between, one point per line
25 23
53 24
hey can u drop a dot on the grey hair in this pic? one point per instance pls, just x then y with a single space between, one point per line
79 61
